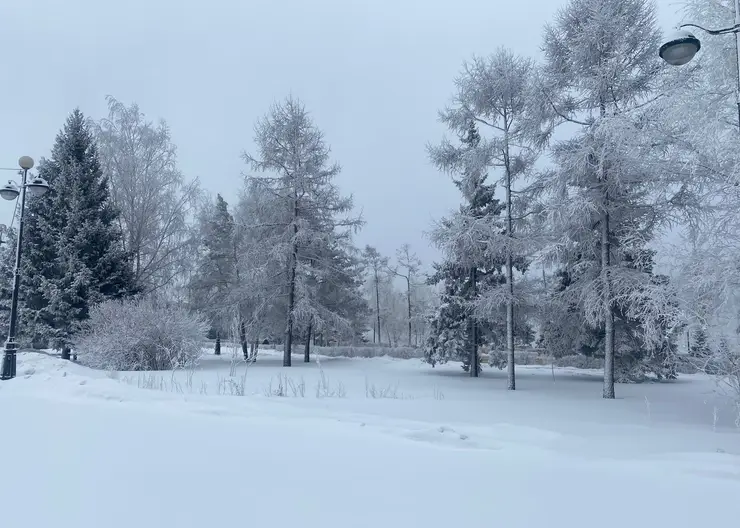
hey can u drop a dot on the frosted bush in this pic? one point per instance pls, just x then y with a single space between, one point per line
139 335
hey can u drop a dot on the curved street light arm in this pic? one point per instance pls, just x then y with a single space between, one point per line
725 31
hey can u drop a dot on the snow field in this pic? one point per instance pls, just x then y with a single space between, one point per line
89 450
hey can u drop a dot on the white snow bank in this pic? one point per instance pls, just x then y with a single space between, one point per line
83 450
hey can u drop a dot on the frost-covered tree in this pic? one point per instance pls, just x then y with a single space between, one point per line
426 301
565 331
259 296
295 168
73 252
497 94
706 115
376 266
340 303
472 264
7 266
615 183
407 268
395 313
216 273
155 201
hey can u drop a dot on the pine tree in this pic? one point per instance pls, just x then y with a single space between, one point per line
73 254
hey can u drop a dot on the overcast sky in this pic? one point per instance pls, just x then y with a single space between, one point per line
373 73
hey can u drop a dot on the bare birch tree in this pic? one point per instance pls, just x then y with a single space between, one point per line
155 201
407 268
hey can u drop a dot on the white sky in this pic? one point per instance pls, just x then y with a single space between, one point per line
372 72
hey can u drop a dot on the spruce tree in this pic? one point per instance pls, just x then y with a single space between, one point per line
7 264
455 333
73 253
566 331
216 273
700 346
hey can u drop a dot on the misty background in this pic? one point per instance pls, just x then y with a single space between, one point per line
373 74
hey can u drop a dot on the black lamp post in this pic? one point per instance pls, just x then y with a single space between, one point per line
681 47
37 187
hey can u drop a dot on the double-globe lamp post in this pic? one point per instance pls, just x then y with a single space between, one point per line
11 191
682 45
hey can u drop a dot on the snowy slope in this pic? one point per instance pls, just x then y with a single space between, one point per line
89 451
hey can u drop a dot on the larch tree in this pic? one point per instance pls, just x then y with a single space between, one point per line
616 183
155 201
73 252
294 161
705 111
497 94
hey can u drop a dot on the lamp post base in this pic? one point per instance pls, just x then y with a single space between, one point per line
9 361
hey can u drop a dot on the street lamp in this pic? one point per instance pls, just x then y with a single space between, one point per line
37 187
682 46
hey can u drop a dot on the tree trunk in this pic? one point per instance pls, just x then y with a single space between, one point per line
289 323
288 349
408 298
511 361
66 353
377 305
473 329
608 392
217 347
243 338
608 308
307 350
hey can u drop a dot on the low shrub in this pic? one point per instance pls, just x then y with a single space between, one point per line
140 335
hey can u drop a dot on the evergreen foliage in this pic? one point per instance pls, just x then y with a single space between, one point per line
465 274
73 257
215 276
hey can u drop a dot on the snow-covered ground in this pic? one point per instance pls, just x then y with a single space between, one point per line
377 443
